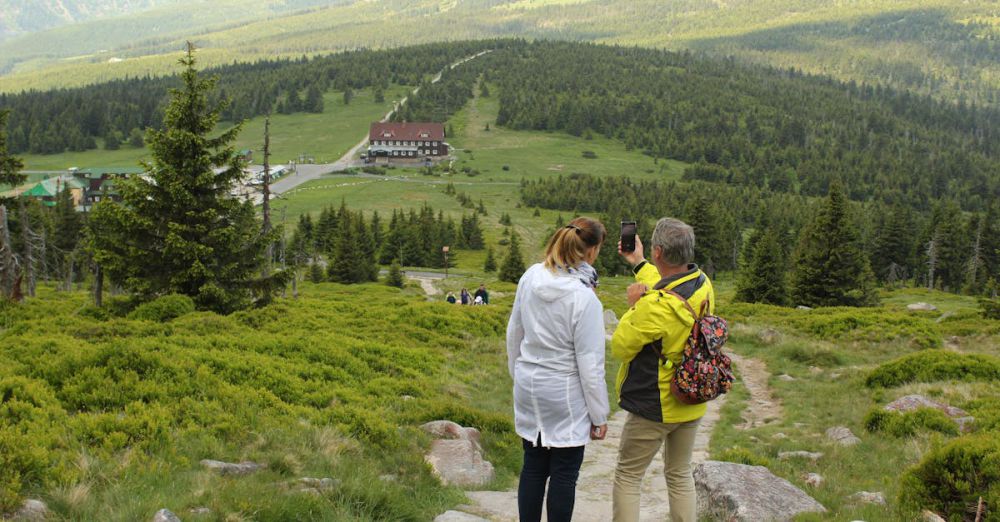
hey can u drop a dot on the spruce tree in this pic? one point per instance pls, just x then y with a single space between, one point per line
893 247
180 231
10 166
491 264
764 279
830 268
395 276
513 264
314 100
343 267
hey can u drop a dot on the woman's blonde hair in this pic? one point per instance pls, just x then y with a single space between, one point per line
569 245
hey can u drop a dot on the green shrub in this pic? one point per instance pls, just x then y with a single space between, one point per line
990 308
163 309
951 479
743 456
812 355
906 424
933 365
95 312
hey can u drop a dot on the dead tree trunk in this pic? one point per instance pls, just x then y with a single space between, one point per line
29 238
8 263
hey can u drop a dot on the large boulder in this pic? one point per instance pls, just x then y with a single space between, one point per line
739 493
456 456
915 402
921 307
842 435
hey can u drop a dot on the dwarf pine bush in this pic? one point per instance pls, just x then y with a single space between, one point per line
906 424
951 479
933 365
171 386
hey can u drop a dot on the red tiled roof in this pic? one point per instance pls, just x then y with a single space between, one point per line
410 131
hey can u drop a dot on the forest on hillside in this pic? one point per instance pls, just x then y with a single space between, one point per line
48 122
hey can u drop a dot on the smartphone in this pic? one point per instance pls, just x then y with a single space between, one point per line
628 236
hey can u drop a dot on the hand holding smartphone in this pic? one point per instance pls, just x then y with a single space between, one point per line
628 236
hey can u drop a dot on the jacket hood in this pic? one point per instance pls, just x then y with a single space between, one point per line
552 286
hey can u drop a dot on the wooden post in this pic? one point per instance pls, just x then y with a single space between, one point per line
99 287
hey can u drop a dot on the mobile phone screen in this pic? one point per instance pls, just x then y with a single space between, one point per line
628 236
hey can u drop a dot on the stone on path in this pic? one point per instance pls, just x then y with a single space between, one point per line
814 479
736 492
930 516
32 510
229 468
914 402
869 497
456 456
921 307
786 455
842 435
165 515
458 516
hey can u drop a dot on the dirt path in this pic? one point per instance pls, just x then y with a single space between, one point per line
593 491
427 284
762 408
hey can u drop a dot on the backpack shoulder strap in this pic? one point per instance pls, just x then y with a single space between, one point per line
686 304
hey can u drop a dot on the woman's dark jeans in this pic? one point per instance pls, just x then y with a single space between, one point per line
560 467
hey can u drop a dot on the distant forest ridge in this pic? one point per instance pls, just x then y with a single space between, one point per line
736 124
938 47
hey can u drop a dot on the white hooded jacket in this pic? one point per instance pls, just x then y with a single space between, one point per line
555 354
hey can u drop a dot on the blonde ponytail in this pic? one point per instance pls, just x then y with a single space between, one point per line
567 248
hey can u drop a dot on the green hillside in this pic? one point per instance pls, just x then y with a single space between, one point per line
939 47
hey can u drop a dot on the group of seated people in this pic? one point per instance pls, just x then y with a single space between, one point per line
481 297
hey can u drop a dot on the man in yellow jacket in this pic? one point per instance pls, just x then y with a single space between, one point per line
658 324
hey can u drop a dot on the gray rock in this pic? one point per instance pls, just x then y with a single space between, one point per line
842 435
200 511
810 455
317 484
445 429
458 516
769 336
930 516
814 479
915 402
869 497
389 477
610 320
740 493
165 515
785 377
921 307
459 463
779 436
456 456
228 468
32 510
803 307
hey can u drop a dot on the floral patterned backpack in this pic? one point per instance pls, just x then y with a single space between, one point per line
704 372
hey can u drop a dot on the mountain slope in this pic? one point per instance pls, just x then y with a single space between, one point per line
939 47
27 16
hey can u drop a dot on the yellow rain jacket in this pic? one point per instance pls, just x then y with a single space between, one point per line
658 320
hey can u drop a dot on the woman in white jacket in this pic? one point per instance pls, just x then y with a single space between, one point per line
555 354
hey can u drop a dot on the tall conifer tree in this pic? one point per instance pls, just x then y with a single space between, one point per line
765 277
830 267
180 231
513 265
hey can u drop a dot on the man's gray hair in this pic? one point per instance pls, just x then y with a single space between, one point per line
676 241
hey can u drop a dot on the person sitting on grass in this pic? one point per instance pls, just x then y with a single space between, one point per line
466 298
555 354
451 298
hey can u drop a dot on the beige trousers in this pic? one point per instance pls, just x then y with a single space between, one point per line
641 439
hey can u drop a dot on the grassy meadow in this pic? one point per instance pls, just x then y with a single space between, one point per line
326 136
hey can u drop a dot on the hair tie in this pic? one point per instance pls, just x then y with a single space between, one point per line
574 227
